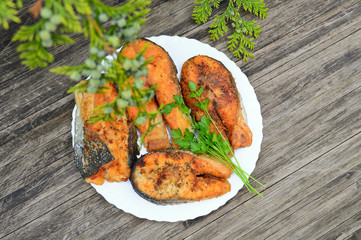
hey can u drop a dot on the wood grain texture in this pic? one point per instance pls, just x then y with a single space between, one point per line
307 77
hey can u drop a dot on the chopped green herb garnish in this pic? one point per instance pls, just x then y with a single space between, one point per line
205 142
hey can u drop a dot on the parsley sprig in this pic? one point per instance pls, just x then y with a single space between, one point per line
203 141
239 44
179 102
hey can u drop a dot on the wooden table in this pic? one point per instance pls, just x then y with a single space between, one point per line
307 77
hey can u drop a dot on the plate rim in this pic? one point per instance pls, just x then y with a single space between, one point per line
221 201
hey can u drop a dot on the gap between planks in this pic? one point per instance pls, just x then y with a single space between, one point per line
354 220
50 210
310 28
280 180
48 195
325 154
300 169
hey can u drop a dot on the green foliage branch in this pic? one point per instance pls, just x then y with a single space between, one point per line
241 40
9 10
107 28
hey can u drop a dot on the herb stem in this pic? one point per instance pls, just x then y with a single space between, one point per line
215 146
236 168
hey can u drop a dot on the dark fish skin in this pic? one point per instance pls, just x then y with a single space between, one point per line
90 154
174 176
103 150
133 149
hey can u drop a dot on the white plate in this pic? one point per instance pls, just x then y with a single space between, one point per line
122 195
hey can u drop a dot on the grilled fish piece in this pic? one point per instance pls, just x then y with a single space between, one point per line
103 150
157 139
220 88
197 112
174 176
163 73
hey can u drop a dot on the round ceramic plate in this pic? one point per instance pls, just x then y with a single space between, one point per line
122 194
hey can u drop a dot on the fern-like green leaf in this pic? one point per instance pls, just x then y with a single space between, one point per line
238 43
257 7
69 19
66 70
249 28
82 7
34 54
203 9
80 87
27 33
42 53
218 27
62 39
8 12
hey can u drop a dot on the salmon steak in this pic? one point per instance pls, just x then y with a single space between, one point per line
103 150
157 139
224 100
174 176
162 72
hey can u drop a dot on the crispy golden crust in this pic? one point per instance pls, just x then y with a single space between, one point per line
163 73
220 89
174 176
115 135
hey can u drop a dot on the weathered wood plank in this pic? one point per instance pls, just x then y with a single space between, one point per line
306 73
54 185
169 18
148 225
17 134
313 226
288 19
305 41
326 103
318 180
83 210
275 153
25 167
311 76
324 181
30 141
28 99
34 185
347 228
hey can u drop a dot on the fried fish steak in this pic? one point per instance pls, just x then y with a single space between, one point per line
163 73
220 88
157 139
174 176
108 149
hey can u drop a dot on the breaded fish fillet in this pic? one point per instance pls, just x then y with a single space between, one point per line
173 176
220 88
109 148
163 73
